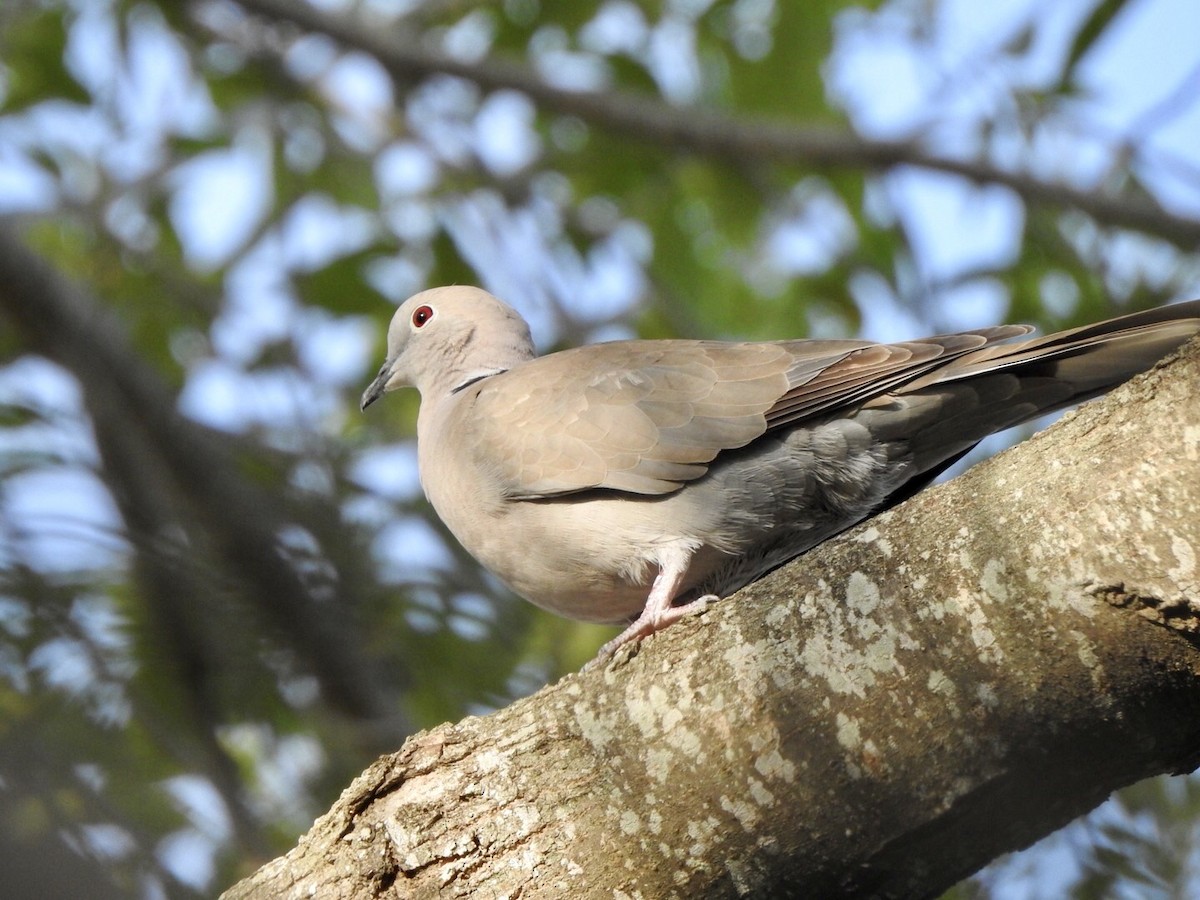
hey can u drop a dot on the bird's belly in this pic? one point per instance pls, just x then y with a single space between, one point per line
574 558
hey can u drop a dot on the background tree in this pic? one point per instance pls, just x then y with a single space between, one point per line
221 593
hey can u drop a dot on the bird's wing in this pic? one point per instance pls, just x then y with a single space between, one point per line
645 417
871 370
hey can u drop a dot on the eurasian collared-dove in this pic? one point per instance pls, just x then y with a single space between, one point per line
620 482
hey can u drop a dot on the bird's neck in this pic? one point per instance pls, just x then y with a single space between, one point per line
466 362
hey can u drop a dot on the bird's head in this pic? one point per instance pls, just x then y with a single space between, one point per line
444 338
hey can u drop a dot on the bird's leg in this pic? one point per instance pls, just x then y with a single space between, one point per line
658 612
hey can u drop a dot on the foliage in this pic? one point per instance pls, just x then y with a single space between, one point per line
210 622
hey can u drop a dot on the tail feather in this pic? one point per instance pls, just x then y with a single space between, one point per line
1095 357
946 412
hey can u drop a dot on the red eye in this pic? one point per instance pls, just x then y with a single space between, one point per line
421 315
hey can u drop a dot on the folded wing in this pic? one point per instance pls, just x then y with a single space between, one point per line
646 417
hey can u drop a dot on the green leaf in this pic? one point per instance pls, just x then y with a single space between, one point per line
340 286
1089 33
32 48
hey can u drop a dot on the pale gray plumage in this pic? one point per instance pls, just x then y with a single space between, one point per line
621 481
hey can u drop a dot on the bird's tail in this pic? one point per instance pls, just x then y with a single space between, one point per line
996 387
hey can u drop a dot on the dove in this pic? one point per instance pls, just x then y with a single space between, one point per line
631 482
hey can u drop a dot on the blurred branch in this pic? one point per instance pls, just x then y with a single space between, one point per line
47 868
721 136
152 453
180 606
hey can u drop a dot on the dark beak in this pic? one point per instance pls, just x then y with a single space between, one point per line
376 388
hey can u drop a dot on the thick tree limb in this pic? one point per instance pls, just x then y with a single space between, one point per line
725 137
950 681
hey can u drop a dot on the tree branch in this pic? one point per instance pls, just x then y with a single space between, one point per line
725 137
947 682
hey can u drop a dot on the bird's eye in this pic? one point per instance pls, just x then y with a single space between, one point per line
421 315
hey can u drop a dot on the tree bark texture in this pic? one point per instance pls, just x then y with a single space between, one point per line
948 681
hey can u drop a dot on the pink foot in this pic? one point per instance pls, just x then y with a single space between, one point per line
650 621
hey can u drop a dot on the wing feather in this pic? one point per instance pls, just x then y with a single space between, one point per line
645 417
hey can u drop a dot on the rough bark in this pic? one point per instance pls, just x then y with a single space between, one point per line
948 681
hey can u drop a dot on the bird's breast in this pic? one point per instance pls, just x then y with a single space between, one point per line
577 558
